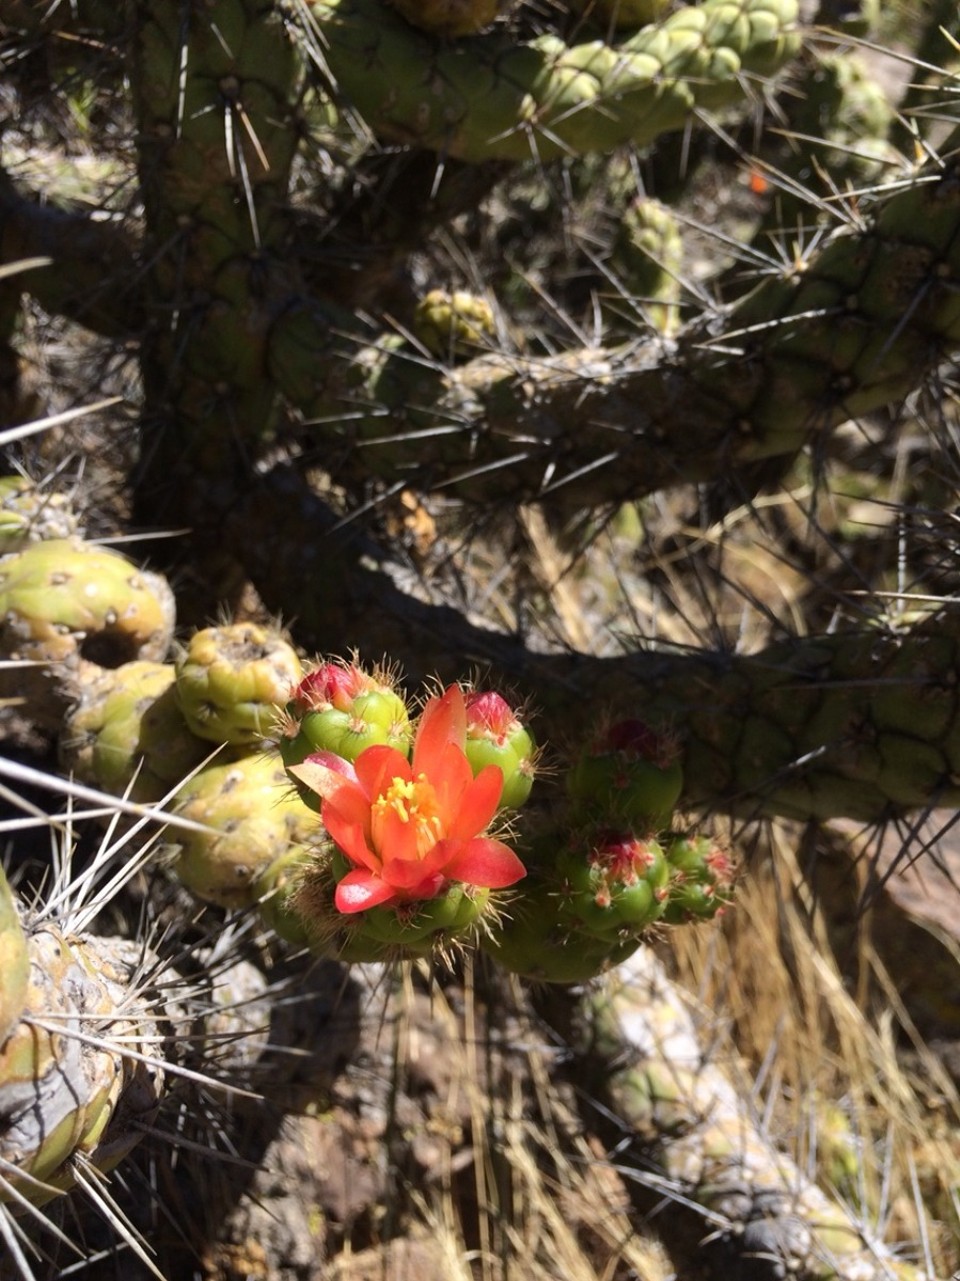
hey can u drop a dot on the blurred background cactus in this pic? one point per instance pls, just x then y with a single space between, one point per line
593 361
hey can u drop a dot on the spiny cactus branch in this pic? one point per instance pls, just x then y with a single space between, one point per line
642 1050
846 329
492 97
864 724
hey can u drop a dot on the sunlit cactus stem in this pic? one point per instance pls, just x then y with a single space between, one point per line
646 1057
75 1091
497 98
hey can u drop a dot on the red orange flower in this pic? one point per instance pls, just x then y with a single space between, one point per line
410 827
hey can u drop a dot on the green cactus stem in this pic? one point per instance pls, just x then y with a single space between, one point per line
647 256
494 98
653 1063
758 380
231 679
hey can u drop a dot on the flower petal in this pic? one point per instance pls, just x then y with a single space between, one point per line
485 862
405 873
442 724
359 890
350 835
450 777
478 804
378 766
324 773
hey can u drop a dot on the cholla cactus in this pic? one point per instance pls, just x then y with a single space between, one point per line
126 733
253 817
230 680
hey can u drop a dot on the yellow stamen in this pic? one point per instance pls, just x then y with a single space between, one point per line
413 803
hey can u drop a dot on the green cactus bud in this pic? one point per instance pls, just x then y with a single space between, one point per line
630 774
701 879
454 324
254 817
231 679
613 885
31 514
126 733
496 736
64 597
341 708
647 255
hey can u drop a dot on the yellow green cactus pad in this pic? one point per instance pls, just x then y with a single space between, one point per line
254 816
231 680
64 598
126 731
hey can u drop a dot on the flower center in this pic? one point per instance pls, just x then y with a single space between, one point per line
406 813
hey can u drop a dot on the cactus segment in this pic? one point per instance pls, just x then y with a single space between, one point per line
231 679
60 1098
126 734
496 98
496 736
647 256
630 774
30 514
254 817
64 597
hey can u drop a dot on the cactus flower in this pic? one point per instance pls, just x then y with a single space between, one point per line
410 827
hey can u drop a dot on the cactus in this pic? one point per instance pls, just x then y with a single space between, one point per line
230 680
247 803
29 513
304 173
126 734
66 1105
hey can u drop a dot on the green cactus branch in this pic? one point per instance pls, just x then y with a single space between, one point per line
851 327
864 724
491 97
